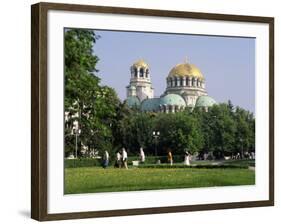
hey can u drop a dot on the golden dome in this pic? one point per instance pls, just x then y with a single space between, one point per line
186 69
140 63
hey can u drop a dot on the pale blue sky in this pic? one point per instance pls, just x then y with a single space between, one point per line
228 63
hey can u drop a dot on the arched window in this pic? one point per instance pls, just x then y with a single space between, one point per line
192 82
170 108
136 72
146 73
141 73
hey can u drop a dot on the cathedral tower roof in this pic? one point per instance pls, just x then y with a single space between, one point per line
186 70
140 63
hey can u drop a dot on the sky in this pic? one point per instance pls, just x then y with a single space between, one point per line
227 63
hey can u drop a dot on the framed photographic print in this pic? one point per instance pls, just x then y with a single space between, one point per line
140 111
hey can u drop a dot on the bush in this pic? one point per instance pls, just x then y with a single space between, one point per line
154 159
150 162
192 166
89 162
82 162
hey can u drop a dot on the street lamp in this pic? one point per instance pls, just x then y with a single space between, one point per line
242 150
209 123
110 125
77 132
156 135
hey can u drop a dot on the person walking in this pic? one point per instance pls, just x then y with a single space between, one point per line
118 160
186 158
105 159
170 157
142 155
124 158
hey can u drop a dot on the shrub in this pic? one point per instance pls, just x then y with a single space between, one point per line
82 162
207 166
154 159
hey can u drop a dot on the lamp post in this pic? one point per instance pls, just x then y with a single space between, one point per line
242 150
209 123
156 135
110 125
77 132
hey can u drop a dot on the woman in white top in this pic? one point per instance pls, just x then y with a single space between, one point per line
105 159
187 158
142 155
118 160
124 158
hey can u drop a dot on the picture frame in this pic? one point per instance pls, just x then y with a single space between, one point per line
40 111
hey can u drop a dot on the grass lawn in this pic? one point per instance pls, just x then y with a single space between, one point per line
95 179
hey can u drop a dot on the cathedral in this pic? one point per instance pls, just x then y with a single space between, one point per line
185 87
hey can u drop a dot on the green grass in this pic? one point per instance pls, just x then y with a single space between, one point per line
95 179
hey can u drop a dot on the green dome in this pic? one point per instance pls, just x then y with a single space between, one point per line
150 104
133 101
172 99
205 101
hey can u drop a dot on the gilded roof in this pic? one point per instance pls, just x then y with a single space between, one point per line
140 63
186 69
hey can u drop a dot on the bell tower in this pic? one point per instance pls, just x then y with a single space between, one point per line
140 79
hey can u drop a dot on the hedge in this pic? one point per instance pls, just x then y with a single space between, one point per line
154 159
210 166
82 162
150 162
88 162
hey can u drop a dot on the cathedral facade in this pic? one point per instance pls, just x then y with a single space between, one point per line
185 87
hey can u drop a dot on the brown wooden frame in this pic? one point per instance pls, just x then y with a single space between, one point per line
39 110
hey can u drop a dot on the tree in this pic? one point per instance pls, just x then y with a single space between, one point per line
178 132
86 101
223 130
245 134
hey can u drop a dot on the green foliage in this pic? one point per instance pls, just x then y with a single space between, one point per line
224 130
207 166
178 132
154 159
82 162
86 101
227 130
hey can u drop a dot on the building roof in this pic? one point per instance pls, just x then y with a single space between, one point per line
132 87
205 101
186 70
141 63
172 99
150 104
133 101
